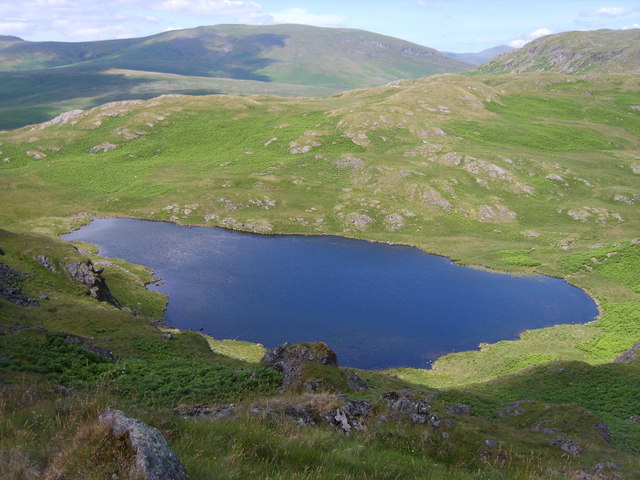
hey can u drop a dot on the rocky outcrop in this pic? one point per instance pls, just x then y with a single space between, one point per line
630 355
338 412
87 344
515 408
215 411
458 409
45 262
289 360
86 273
567 446
154 458
355 383
412 406
10 287
63 118
102 147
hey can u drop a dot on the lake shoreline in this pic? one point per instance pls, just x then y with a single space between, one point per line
158 278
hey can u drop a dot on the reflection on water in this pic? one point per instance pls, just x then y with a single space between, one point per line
376 305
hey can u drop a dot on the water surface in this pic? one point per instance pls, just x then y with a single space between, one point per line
376 305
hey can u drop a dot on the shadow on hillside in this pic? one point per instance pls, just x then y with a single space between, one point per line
34 97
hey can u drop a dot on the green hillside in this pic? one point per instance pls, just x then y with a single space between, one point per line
526 173
599 51
519 176
39 80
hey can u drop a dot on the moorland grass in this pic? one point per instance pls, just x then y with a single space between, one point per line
542 152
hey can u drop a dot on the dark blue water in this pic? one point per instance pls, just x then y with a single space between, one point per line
376 305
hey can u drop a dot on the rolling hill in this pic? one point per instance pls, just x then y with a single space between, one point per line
38 80
599 51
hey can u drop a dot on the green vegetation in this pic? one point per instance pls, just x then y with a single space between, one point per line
525 173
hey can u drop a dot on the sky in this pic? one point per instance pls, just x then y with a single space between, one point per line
446 25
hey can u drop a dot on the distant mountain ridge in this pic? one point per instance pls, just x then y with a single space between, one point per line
479 58
39 80
596 51
299 54
10 38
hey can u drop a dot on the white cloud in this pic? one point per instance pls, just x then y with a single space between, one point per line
525 38
422 3
234 8
303 16
12 28
629 27
241 11
540 32
608 12
109 31
51 3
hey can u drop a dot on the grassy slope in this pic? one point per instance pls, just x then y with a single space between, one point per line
599 51
451 157
426 152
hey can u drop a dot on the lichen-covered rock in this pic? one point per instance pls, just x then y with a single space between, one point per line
347 415
412 405
513 409
215 411
630 355
567 446
300 353
394 221
355 383
358 220
351 161
299 415
154 458
496 214
289 359
458 409
46 263
102 147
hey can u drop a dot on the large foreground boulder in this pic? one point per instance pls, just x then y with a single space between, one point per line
154 459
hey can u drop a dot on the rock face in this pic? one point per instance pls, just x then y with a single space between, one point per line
215 411
630 355
567 446
85 273
154 459
102 147
289 359
46 263
412 405
356 384
345 415
87 344
10 281
458 409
